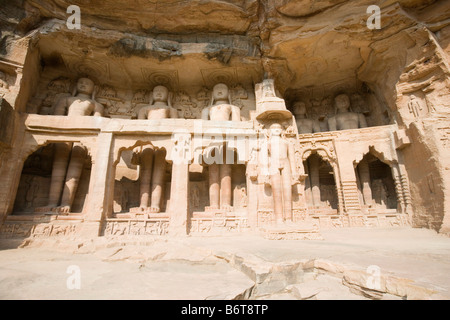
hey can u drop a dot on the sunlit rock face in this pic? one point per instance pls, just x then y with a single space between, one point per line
95 115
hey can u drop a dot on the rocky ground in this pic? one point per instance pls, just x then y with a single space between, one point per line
413 264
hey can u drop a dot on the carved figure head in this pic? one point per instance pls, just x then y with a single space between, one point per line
85 85
220 92
276 129
300 108
342 103
160 94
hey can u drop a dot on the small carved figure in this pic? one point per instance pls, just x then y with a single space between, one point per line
32 191
414 106
195 197
304 124
186 108
243 193
160 107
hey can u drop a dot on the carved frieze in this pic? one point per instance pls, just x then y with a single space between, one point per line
218 224
36 230
136 227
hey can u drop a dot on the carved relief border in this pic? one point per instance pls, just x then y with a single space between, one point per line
218 224
367 221
154 227
11 230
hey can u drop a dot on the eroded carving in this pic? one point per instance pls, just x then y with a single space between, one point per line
345 119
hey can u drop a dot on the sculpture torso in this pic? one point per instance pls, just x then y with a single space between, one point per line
159 110
347 120
278 153
305 125
154 112
220 112
79 106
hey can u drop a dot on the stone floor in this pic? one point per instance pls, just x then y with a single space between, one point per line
413 264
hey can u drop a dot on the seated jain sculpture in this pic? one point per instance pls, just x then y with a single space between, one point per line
304 124
160 107
282 171
220 108
220 173
152 161
69 158
82 103
344 118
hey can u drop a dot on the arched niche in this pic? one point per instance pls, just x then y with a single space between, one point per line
376 184
321 193
200 181
129 161
34 189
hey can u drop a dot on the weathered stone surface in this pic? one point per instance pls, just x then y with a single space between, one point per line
263 275
281 118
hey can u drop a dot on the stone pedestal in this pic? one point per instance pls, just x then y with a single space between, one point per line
179 199
268 105
100 191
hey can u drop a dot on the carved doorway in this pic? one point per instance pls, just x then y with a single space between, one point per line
46 167
134 195
320 186
376 186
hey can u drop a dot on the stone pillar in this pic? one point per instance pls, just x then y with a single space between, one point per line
225 186
158 175
364 177
286 179
179 200
308 193
146 165
10 171
405 188
398 189
214 185
315 179
252 206
252 173
100 187
12 157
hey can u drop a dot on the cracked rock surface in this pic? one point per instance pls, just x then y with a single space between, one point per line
246 267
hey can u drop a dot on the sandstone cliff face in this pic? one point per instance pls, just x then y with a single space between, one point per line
311 48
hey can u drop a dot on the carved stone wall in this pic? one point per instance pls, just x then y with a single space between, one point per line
124 103
270 54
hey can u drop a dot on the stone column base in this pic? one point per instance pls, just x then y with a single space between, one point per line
89 229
